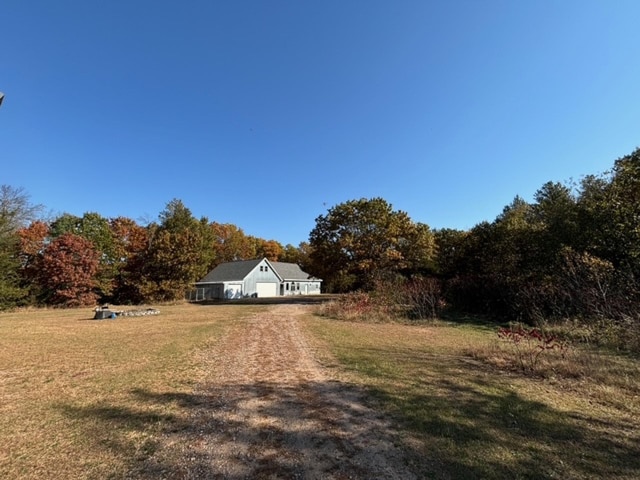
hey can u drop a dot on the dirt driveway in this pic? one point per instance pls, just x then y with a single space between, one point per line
269 410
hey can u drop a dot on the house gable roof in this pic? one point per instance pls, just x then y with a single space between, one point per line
290 271
238 271
230 271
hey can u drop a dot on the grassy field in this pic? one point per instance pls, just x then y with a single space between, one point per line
465 415
75 394
73 391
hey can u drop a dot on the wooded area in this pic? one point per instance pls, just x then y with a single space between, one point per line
572 253
78 261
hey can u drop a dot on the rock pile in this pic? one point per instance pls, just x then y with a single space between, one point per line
104 312
138 313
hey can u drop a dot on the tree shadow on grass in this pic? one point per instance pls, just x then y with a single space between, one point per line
312 430
476 428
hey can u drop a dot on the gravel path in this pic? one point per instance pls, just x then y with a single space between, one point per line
268 410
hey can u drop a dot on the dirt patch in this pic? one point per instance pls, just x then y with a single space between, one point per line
267 409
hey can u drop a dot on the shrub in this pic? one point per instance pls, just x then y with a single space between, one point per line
423 297
357 306
527 345
417 298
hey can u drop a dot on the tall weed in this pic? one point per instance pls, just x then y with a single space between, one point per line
357 306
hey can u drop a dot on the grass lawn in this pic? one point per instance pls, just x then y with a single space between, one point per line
466 417
70 388
74 394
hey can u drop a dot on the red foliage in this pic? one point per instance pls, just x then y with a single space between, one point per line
32 244
32 239
530 343
67 271
131 238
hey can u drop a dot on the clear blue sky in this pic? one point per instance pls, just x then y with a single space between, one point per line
267 113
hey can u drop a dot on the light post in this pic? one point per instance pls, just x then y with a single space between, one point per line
1 97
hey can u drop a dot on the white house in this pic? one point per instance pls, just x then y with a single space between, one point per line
255 278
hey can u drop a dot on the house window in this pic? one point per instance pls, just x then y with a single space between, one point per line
287 285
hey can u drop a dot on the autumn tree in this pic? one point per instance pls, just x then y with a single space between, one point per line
33 240
180 252
359 240
269 249
418 248
230 243
130 246
66 272
96 229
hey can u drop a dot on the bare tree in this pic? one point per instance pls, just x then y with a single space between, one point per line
16 210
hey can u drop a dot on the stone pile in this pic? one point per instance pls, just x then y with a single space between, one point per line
105 312
138 313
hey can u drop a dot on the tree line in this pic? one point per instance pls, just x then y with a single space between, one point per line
79 261
573 252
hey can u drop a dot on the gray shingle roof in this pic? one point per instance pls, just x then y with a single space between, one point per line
289 271
231 271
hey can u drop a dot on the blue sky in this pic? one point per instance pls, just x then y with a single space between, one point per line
267 113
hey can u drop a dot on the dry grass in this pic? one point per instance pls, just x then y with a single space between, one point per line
470 417
70 403
72 394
